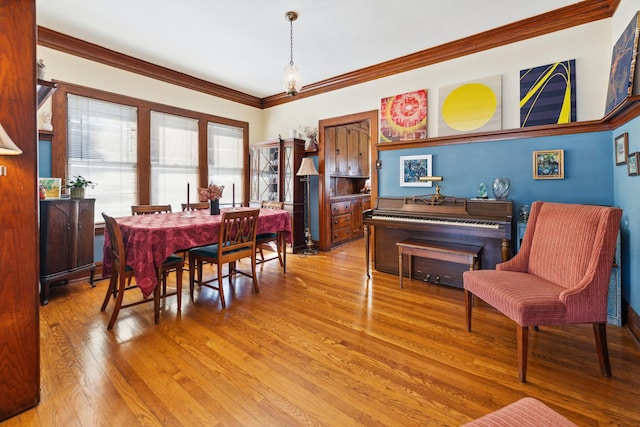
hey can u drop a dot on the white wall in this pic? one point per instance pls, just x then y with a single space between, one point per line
72 69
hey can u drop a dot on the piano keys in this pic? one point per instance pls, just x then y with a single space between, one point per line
484 223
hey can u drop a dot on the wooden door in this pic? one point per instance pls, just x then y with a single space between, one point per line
341 151
58 231
85 234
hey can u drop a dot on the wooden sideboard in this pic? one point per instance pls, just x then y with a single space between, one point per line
66 242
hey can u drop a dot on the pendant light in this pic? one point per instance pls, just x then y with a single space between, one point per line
291 80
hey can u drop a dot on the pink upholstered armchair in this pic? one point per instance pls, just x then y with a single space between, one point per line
560 276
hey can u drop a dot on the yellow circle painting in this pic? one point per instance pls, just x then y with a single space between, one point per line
469 107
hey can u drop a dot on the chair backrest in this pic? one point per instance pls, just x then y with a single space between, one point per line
565 243
196 206
118 258
150 209
238 234
268 204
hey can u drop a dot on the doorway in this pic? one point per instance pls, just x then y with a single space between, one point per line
343 174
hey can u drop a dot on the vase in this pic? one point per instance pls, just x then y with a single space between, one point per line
501 188
77 192
214 206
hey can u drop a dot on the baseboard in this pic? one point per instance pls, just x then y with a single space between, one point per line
633 323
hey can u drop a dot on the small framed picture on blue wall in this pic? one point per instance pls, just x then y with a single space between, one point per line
414 167
632 163
548 164
621 147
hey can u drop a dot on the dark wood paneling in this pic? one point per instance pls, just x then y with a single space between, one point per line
19 334
570 16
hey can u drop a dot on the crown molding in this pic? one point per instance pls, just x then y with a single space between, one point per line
583 12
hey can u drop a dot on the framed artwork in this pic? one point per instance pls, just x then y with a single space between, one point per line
548 164
632 163
412 168
623 65
621 146
51 187
404 117
548 94
475 106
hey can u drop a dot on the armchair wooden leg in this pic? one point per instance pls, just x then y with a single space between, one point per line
600 333
468 304
523 345
221 285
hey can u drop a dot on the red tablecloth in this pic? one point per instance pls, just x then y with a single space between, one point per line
150 239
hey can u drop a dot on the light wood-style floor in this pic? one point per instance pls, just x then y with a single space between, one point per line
319 345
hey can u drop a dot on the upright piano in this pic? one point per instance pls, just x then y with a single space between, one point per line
475 222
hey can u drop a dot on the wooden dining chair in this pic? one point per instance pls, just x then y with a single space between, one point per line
150 209
156 209
196 206
270 241
237 240
120 273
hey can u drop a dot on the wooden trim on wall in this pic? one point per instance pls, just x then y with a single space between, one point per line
633 323
93 52
560 19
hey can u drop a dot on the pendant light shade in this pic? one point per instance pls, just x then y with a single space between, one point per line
291 80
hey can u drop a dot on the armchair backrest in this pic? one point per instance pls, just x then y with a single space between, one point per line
564 243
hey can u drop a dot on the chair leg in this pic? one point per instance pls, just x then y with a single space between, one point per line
179 286
253 275
192 266
261 254
220 284
156 304
110 291
600 333
116 308
468 304
523 344
279 246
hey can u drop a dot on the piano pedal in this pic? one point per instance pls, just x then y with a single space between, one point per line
437 282
426 279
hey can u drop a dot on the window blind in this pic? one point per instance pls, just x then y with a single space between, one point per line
225 160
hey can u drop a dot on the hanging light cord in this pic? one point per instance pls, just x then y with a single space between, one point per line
291 43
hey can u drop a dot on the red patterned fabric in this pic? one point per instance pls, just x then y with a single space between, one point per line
150 239
561 274
526 412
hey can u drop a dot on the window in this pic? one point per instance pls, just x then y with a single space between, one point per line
225 154
102 147
174 159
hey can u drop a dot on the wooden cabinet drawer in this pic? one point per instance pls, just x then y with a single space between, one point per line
340 234
340 221
338 208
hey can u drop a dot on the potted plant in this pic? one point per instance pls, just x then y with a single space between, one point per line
77 186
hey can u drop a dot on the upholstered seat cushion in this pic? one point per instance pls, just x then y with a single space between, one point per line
525 298
526 412
266 237
211 251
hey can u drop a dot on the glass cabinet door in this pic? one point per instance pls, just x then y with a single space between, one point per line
289 174
265 172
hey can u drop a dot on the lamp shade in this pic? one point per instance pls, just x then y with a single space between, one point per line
7 146
291 80
307 167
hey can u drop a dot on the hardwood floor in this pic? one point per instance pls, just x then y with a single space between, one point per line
319 345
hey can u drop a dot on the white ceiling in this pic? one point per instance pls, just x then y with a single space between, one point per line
244 44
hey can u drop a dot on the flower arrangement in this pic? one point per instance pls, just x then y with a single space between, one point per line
80 182
212 192
311 133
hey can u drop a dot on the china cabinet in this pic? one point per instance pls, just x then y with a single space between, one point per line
274 164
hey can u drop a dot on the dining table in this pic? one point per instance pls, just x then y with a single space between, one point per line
150 239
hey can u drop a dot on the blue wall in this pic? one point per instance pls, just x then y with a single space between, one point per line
626 190
588 169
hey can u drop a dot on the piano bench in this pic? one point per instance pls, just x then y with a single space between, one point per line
442 251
